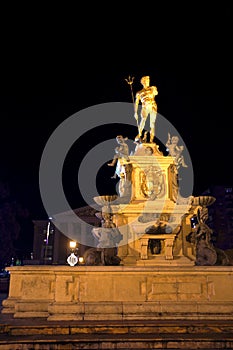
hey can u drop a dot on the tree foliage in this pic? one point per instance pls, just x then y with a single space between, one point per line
12 215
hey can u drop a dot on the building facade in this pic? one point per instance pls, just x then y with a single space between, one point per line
51 245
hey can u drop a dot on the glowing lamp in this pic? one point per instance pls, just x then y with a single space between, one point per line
73 245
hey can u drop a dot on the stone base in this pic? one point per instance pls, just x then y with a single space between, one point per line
158 260
120 292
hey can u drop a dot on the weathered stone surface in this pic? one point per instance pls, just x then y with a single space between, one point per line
120 292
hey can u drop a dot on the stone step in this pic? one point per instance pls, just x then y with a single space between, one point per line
13 330
163 334
32 326
118 341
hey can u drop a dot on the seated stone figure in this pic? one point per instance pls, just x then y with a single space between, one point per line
200 236
121 153
175 150
108 236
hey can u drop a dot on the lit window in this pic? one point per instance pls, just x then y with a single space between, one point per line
228 189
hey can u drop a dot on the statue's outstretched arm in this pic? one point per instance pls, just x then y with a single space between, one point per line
136 106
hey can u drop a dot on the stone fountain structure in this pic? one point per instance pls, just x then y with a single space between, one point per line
152 219
149 263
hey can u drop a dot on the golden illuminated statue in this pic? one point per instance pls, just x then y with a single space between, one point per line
149 107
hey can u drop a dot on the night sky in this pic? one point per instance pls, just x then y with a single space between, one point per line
46 78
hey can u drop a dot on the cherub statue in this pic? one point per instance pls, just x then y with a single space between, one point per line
175 151
121 153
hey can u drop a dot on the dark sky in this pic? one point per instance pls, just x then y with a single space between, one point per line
46 77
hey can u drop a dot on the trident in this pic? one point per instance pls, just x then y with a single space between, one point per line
130 82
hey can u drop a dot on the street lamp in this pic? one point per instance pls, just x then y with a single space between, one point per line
73 258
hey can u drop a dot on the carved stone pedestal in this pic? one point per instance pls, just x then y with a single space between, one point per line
120 292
